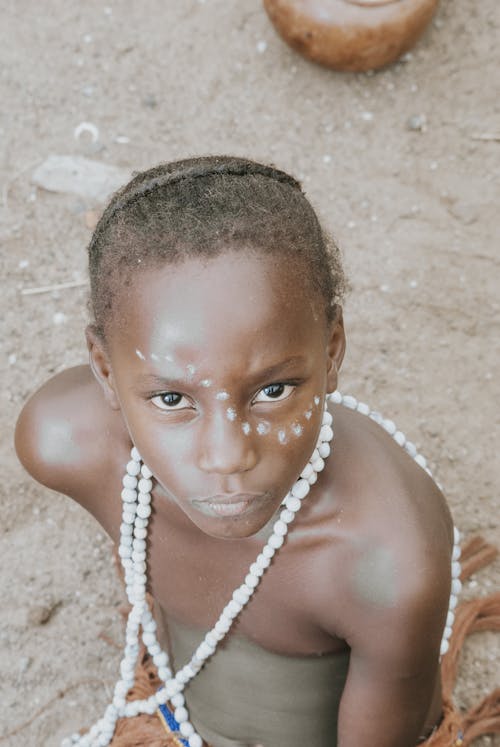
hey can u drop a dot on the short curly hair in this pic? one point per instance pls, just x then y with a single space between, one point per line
201 207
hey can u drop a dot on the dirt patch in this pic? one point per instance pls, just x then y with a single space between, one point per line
400 168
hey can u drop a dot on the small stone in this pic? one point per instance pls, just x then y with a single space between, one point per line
40 614
25 663
59 318
261 46
150 102
417 123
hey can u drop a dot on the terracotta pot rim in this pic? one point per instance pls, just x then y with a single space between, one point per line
371 3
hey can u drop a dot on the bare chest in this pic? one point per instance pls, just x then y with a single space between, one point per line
193 577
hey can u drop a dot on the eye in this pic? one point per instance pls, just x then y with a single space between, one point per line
274 392
170 401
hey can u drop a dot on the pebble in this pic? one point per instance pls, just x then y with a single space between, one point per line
59 318
417 123
40 614
261 46
86 178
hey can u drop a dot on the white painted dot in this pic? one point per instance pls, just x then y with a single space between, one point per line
297 429
282 437
154 357
231 413
206 383
191 369
308 414
246 428
140 355
263 428
317 400
222 395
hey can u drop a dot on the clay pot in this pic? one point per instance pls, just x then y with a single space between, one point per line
351 34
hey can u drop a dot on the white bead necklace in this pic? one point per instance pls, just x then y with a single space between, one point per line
136 498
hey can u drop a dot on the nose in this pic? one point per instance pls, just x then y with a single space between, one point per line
224 448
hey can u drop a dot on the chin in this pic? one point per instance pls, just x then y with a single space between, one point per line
234 528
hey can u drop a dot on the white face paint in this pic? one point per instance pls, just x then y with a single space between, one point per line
154 357
297 429
263 428
317 400
140 355
190 370
308 414
222 395
206 383
231 413
246 428
282 436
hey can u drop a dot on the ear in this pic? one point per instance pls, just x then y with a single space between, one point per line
101 367
335 351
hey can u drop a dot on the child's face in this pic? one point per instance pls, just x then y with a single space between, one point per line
220 368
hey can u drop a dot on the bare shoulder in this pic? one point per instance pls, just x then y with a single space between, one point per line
392 532
69 439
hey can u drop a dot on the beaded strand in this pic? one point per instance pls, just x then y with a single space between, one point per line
136 498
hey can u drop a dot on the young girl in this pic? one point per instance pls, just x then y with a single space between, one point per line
320 586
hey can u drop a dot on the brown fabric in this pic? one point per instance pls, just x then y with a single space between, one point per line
455 730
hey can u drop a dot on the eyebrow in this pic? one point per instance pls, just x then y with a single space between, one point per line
169 382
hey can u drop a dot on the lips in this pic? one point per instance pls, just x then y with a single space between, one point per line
227 505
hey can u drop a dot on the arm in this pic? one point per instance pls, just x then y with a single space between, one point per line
394 669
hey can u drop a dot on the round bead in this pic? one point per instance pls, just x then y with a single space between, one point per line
456 569
400 438
300 489
240 596
292 503
128 517
275 540
135 454
314 456
268 551
126 529
140 523
363 408
318 464
133 468
256 570
161 696
146 472
233 607
456 552
421 461
450 619
144 499
161 659
129 482
139 545
181 714
389 426
313 478
140 533
456 586
411 449
186 728
164 673
444 647
453 602
336 397
456 536
145 485
307 471
327 418
447 632
324 450
195 740
326 433
350 402
143 511
251 580
263 562
287 516
222 625
177 701
280 527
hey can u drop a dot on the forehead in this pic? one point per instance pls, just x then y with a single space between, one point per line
231 304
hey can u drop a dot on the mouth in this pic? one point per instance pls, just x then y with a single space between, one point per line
235 504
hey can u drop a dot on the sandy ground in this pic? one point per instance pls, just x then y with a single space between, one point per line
414 211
